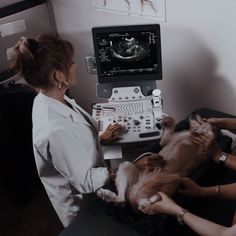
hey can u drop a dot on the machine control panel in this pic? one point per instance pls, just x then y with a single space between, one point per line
140 115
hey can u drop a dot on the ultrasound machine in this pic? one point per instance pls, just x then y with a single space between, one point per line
128 63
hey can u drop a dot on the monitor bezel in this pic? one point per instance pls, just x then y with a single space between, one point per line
128 28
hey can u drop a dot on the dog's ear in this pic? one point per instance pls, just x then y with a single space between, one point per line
192 116
193 123
195 120
196 117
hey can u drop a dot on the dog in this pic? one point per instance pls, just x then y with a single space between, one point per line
139 183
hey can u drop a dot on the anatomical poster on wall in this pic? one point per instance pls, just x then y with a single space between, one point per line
154 9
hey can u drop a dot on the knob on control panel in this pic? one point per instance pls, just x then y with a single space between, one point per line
156 92
156 97
137 122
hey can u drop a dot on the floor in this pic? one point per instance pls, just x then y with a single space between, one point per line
36 218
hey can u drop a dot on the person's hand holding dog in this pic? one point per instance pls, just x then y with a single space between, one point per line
165 206
189 188
207 142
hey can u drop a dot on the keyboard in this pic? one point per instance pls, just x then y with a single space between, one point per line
120 108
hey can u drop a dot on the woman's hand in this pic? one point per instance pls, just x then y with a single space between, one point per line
190 188
113 132
224 123
219 122
208 144
165 206
203 140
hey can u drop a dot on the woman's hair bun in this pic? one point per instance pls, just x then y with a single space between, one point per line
32 45
26 44
22 45
23 56
36 60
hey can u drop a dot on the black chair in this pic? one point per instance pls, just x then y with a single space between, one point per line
17 170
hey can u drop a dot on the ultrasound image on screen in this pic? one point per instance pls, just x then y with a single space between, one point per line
129 49
127 53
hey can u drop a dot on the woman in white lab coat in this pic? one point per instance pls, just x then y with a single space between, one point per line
65 137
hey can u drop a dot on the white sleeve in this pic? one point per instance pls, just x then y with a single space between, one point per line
70 158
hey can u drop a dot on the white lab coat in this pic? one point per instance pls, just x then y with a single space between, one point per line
67 154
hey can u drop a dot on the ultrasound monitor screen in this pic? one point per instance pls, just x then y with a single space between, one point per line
128 53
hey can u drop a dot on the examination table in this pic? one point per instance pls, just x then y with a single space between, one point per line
103 219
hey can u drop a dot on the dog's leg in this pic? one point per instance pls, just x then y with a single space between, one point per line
107 195
168 123
127 175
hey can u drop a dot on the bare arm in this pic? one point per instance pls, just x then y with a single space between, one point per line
207 143
190 188
215 152
198 224
227 191
206 227
224 123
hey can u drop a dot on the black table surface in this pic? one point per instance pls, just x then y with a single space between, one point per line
95 220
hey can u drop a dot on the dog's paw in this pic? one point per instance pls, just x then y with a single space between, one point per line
168 122
155 198
100 193
144 203
107 195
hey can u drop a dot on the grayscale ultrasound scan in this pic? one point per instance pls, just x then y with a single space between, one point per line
130 49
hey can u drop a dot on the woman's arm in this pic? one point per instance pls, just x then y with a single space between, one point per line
76 159
214 151
190 188
207 228
198 224
224 123
227 191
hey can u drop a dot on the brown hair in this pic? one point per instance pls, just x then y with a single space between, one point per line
38 60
